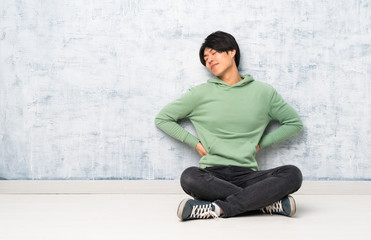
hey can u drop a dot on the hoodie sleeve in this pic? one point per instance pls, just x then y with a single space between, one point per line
290 122
167 118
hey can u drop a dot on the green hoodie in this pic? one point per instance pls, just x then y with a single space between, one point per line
230 120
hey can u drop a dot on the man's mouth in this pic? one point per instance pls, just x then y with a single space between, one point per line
213 65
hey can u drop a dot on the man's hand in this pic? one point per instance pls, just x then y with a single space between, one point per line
257 148
200 149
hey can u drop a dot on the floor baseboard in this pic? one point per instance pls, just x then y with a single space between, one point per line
159 187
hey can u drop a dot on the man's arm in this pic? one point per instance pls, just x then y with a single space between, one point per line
286 116
167 119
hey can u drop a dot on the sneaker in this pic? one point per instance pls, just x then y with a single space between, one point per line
196 209
286 206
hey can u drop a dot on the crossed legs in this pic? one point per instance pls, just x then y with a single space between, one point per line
238 189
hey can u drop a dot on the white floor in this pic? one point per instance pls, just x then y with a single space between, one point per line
149 216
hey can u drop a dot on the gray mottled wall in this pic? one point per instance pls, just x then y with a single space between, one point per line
81 83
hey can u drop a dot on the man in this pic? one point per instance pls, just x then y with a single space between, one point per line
230 113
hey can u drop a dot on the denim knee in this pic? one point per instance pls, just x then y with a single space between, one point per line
187 178
296 177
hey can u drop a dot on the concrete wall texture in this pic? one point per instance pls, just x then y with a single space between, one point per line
81 82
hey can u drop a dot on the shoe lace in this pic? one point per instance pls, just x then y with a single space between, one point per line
203 211
273 208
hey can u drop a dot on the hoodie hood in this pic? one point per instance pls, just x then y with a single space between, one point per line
245 80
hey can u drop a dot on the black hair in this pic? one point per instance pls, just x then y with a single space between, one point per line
220 42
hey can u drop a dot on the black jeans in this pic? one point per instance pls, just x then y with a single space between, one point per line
237 190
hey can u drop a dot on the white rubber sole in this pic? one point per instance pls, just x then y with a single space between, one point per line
293 206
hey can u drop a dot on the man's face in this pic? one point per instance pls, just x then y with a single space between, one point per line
219 63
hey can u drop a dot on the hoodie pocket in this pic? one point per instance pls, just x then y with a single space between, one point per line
233 149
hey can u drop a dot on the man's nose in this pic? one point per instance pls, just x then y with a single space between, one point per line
210 60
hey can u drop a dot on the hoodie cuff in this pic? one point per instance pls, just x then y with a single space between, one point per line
266 141
191 140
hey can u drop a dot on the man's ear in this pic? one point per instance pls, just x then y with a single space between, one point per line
232 53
